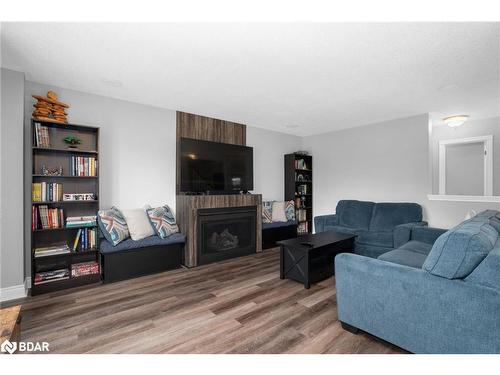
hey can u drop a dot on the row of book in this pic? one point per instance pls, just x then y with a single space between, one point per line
43 217
301 164
77 270
51 276
57 249
302 189
84 269
46 192
303 228
301 214
86 239
81 221
41 136
83 166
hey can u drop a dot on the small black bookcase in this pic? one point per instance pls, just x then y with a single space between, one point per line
54 167
299 187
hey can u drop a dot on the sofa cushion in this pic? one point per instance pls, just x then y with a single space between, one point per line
387 215
113 225
130 244
404 257
495 223
487 273
417 247
279 224
354 214
375 238
456 253
163 221
267 211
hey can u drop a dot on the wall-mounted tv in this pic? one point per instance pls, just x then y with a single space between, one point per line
215 168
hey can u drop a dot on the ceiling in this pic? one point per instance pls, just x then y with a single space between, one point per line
300 79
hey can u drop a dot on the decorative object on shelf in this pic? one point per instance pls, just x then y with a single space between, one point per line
79 197
48 108
72 141
55 171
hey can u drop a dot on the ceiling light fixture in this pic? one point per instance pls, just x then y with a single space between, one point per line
456 120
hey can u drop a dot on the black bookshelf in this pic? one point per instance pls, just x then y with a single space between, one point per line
59 154
298 187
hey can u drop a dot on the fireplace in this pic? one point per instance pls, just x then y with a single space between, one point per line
225 233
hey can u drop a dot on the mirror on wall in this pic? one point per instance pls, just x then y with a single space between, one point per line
466 160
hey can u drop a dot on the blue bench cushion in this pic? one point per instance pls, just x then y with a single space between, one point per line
278 224
404 257
457 253
129 244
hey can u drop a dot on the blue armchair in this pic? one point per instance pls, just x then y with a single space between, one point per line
380 227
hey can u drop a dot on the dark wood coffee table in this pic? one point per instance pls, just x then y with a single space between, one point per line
311 263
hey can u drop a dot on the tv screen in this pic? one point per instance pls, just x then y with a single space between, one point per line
213 167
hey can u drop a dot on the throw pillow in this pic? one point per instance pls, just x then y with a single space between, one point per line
113 225
163 221
279 211
495 223
290 210
267 211
138 223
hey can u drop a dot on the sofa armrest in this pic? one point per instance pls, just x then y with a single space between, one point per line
415 310
426 234
402 233
320 222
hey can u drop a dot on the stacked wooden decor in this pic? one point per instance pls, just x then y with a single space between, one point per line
65 245
48 108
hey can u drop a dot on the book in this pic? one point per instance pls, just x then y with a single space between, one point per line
52 250
41 136
49 276
84 268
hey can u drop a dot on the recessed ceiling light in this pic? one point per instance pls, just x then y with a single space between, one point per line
456 120
112 82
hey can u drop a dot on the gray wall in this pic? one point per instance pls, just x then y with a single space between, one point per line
472 128
388 161
11 195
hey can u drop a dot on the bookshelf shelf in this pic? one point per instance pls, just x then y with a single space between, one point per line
64 202
299 187
57 156
62 176
63 150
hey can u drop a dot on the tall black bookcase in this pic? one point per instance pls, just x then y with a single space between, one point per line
54 154
298 187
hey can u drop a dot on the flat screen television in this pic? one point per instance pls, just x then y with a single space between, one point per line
215 168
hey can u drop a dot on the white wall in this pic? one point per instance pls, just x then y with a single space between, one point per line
388 161
268 169
137 146
11 196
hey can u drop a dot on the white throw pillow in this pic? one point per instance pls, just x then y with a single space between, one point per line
279 211
138 223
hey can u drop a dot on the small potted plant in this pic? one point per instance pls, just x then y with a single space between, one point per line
72 141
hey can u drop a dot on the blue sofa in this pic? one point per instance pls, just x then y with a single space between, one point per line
438 293
380 227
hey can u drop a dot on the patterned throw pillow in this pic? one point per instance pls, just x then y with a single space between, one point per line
290 210
163 221
267 211
113 225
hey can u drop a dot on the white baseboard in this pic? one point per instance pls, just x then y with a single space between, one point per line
16 291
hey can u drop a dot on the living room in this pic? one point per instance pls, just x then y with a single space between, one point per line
250 188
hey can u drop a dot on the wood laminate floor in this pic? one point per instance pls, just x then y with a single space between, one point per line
235 306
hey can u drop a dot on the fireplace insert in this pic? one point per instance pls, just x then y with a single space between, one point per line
225 233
